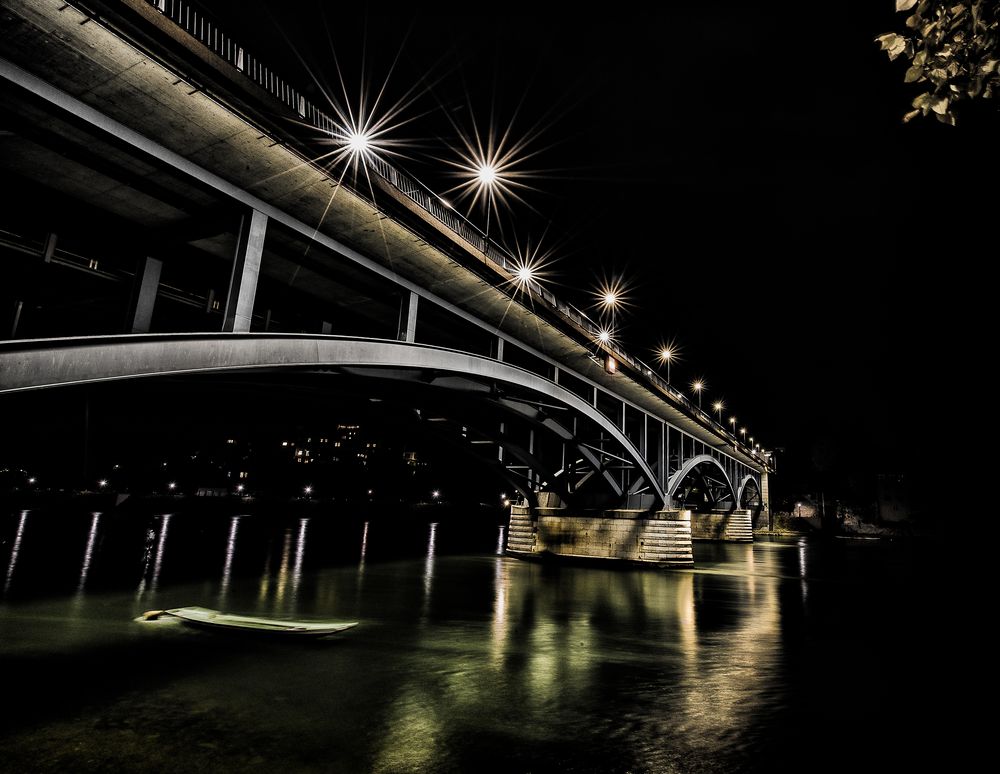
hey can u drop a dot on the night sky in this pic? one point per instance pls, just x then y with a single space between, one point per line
744 170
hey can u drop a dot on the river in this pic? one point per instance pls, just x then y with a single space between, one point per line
785 654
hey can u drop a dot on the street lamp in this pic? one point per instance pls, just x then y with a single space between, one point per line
718 406
666 355
102 483
698 386
732 425
486 175
171 486
308 490
743 432
435 494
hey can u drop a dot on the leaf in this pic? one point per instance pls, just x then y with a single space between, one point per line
910 116
946 118
905 5
939 105
990 65
920 58
886 39
897 47
915 73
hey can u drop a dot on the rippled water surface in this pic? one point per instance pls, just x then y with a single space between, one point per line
805 655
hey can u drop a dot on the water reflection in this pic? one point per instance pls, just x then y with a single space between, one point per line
15 550
803 569
154 557
500 541
498 628
300 550
429 566
364 549
227 568
282 582
572 668
88 553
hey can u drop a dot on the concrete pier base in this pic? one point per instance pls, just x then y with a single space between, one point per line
662 538
727 526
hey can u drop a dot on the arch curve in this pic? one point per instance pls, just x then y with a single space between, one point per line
747 479
47 363
673 484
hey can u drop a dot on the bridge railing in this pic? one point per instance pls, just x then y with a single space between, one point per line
198 25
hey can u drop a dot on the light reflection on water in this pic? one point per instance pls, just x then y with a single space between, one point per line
88 553
15 550
227 568
460 661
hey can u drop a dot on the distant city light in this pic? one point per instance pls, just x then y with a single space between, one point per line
171 485
435 494
308 490
239 487
102 483
32 480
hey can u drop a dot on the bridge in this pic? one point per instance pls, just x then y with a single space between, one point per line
172 219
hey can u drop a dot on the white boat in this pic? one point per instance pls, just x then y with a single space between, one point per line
203 616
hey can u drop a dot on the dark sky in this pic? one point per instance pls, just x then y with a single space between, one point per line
744 169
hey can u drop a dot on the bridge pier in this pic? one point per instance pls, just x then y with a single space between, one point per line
662 538
727 526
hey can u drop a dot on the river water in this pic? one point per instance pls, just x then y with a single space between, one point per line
783 655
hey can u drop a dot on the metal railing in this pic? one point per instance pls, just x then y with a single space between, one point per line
222 45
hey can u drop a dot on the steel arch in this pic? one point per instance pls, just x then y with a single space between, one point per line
46 363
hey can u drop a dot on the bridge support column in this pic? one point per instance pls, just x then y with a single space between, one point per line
147 281
246 267
727 526
662 538
408 317
765 501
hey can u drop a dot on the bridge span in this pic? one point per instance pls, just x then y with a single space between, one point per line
172 220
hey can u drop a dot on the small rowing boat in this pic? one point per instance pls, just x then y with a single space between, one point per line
204 617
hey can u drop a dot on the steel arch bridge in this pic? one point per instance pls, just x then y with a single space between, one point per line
181 189
534 433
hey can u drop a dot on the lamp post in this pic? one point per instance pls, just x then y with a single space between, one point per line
718 406
698 386
486 174
666 355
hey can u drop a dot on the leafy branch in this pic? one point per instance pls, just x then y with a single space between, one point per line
952 48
